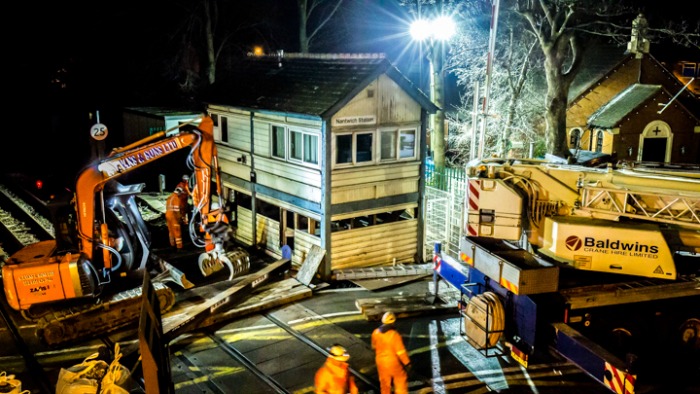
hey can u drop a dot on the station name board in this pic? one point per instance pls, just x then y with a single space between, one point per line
355 120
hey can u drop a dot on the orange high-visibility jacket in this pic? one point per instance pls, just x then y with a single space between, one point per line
334 378
175 206
389 348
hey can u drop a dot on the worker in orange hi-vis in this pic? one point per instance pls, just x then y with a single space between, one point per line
392 360
216 217
175 216
333 377
184 184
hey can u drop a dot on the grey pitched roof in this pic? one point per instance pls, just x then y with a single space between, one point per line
610 115
601 59
310 84
163 111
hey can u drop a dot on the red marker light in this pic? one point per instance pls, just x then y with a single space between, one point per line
39 184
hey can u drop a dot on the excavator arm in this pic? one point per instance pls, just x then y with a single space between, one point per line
91 182
108 225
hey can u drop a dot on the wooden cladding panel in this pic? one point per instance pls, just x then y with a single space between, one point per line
368 174
362 104
238 131
306 175
234 168
303 242
268 230
375 245
374 191
269 234
244 230
262 139
301 190
395 105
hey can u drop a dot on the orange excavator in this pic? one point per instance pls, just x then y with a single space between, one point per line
102 242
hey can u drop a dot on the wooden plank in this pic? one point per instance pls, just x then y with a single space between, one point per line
310 265
384 283
403 306
175 324
268 297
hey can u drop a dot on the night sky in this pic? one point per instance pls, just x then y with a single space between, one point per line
68 60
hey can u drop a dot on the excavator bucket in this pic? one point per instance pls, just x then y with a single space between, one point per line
237 261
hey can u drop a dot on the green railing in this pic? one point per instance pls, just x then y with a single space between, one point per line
447 179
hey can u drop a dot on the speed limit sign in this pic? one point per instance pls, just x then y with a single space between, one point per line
98 131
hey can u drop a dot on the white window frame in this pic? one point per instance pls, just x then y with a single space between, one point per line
288 130
285 154
303 132
415 144
372 149
353 162
397 132
336 150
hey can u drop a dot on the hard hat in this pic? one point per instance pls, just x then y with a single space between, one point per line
388 318
178 190
215 205
339 353
185 177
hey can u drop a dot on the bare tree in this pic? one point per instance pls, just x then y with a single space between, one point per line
207 33
562 27
314 14
513 113
562 30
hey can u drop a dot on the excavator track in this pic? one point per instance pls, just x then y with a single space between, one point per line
87 321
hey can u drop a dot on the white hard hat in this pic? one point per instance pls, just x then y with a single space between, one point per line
388 318
215 205
185 177
339 353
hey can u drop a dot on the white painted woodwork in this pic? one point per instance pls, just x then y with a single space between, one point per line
303 241
267 230
395 105
382 103
376 245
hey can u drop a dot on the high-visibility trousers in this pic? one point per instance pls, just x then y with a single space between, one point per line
174 230
392 372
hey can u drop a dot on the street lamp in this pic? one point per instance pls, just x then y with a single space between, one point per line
435 32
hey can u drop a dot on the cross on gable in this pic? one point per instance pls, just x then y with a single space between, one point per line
656 131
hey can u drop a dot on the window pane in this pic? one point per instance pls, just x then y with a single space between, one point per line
407 143
295 145
311 148
388 142
364 148
278 141
343 145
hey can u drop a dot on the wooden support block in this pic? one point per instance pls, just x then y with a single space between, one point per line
403 306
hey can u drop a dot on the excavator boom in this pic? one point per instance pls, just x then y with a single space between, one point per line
108 238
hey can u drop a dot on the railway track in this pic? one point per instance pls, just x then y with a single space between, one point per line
21 223
280 350
263 353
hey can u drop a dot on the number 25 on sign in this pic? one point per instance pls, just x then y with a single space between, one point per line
98 131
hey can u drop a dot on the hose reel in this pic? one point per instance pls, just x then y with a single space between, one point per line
484 320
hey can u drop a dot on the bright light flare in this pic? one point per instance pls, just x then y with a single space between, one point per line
441 28
421 29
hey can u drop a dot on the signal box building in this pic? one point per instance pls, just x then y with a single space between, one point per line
324 150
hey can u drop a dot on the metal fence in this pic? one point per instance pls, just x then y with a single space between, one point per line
444 206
